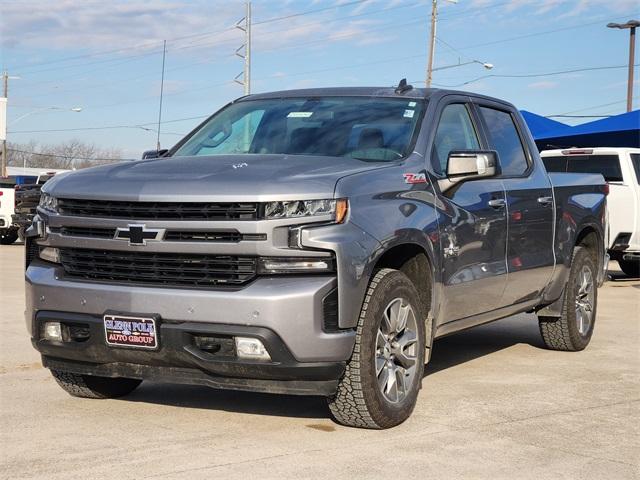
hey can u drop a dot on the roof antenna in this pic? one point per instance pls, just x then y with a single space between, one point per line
403 86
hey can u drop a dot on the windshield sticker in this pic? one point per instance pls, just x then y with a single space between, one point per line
412 104
408 113
299 114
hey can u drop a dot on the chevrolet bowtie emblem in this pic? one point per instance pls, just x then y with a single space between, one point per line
138 234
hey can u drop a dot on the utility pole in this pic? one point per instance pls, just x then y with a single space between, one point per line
631 25
432 41
244 51
5 92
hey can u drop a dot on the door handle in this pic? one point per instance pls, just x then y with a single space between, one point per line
497 203
545 200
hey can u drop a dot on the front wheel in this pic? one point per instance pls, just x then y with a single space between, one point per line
631 268
380 385
89 386
8 236
572 331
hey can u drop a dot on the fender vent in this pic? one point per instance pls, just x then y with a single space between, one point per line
330 312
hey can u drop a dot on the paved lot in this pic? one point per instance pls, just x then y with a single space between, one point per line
494 404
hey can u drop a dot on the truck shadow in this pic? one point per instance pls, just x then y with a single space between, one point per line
484 340
448 352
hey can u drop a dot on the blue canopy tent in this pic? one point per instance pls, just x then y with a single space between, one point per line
617 131
539 125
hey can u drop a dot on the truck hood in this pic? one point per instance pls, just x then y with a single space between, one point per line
210 178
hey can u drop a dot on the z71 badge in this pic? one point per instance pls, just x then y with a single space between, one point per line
413 178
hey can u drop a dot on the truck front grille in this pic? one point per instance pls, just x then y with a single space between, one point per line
164 269
158 210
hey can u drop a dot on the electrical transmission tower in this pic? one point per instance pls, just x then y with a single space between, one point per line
244 50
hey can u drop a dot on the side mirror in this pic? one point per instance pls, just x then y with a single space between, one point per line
468 165
154 153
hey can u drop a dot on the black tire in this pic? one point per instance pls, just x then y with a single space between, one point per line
360 401
631 268
567 333
89 386
8 236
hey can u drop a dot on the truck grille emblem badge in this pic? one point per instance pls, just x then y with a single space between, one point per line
138 234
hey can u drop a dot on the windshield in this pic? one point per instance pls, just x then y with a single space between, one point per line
373 129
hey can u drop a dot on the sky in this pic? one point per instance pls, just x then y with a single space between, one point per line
105 57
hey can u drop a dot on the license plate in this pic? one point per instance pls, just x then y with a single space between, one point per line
133 332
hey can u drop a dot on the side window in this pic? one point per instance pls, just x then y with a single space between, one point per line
635 160
504 138
455 132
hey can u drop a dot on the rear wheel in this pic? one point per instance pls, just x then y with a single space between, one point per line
89 386
631 268
572 331
8 236
380 385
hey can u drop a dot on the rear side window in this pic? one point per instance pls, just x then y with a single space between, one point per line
606 165
504 138
455 132
555 164
635 161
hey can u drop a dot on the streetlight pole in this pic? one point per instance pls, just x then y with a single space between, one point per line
631 25
74 109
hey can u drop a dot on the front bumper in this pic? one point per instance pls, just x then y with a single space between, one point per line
286 312
179 359
290 306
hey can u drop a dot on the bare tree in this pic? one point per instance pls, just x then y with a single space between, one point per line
67 155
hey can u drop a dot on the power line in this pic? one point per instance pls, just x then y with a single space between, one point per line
149 44
112 127
68 157
530 75
209 58
546 32
596 106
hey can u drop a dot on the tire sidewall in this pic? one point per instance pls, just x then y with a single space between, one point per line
581 258
384 413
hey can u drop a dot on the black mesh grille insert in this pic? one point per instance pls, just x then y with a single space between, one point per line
166 269
158 210
229 236
192 236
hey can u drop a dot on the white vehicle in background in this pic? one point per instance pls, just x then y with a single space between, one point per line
620 168
8 233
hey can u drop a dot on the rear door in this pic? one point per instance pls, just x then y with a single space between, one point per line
530 216
472 221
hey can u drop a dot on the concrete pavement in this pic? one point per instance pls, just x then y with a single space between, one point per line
494 404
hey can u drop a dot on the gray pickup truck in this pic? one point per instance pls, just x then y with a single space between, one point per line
312 242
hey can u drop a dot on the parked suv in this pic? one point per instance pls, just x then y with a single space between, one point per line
312 242
620 167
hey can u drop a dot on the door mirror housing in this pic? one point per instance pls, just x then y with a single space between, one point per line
465 165
153 153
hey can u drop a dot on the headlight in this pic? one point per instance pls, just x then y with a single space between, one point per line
307 208
275 265
48 203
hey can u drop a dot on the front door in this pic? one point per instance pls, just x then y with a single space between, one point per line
473 224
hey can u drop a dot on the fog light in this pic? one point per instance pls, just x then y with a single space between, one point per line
53 331
251 349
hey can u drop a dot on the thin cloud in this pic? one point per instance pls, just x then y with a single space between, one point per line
543 85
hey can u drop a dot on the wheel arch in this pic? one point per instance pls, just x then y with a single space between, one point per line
415 260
